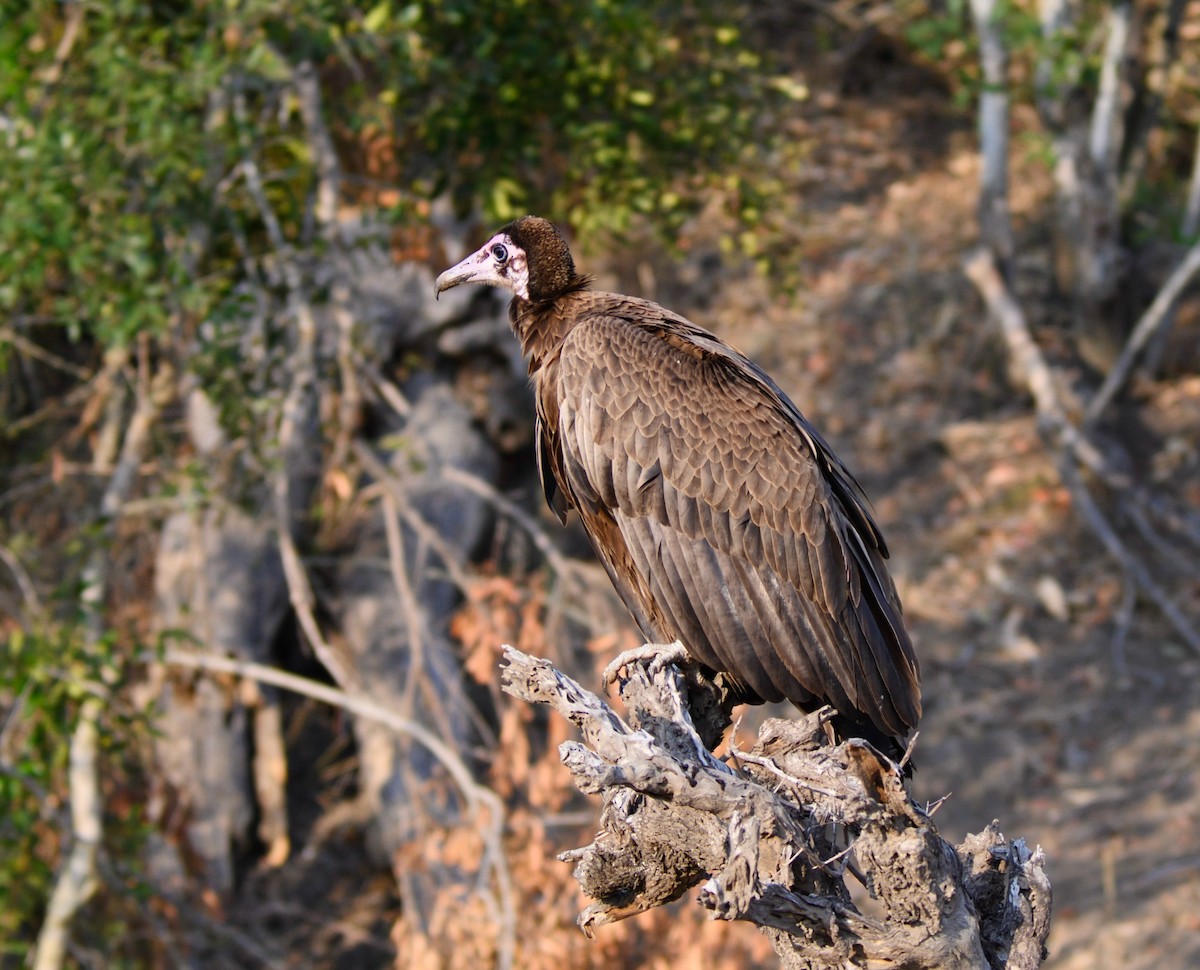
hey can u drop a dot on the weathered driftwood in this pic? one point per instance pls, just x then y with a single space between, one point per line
772 834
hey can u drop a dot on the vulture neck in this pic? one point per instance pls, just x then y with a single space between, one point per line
542 325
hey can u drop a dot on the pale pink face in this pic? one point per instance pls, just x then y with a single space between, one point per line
499 262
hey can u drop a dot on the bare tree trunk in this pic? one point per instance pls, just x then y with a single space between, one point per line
1090 263
995 224
1159 50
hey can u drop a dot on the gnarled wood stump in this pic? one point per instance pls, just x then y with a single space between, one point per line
772 834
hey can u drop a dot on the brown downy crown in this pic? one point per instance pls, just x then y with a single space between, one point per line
550 266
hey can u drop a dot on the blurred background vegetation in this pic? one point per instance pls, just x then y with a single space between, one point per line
124 211
186 190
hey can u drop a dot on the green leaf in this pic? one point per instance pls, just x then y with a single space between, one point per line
377 17
790 88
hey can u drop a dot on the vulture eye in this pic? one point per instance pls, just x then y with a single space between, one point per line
499 253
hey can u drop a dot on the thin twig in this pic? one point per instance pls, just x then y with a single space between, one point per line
413 614
995 224
387 389
302 599
320 143
357 704
1132 565
53 74
541 541
291 444
1157 316
328 195
248 169
838 14
1049 80
908 750
1184 524
23 343
12 718
769 765
69 403
77 880
452 559
1185 566
28 589
1121 626
1191 214
981 269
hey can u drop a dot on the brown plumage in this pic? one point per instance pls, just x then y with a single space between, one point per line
722 517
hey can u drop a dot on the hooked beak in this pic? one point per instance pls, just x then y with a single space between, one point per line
476 268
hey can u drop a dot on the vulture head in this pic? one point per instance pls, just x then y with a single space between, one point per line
528 257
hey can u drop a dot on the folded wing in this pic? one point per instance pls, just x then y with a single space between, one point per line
724 519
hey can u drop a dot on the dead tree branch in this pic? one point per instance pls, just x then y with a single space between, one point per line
451 558
994 222
295 419
329 171
77 879
306 82
1158 316
766 840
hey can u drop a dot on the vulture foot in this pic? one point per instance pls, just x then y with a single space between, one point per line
658 655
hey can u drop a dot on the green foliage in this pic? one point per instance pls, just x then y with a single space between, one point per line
944 34
596 108
124 210
935 35
99 174
28 826
43 677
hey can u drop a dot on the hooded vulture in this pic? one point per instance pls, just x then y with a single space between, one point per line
722 517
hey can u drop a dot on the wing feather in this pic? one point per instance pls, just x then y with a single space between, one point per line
730 522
